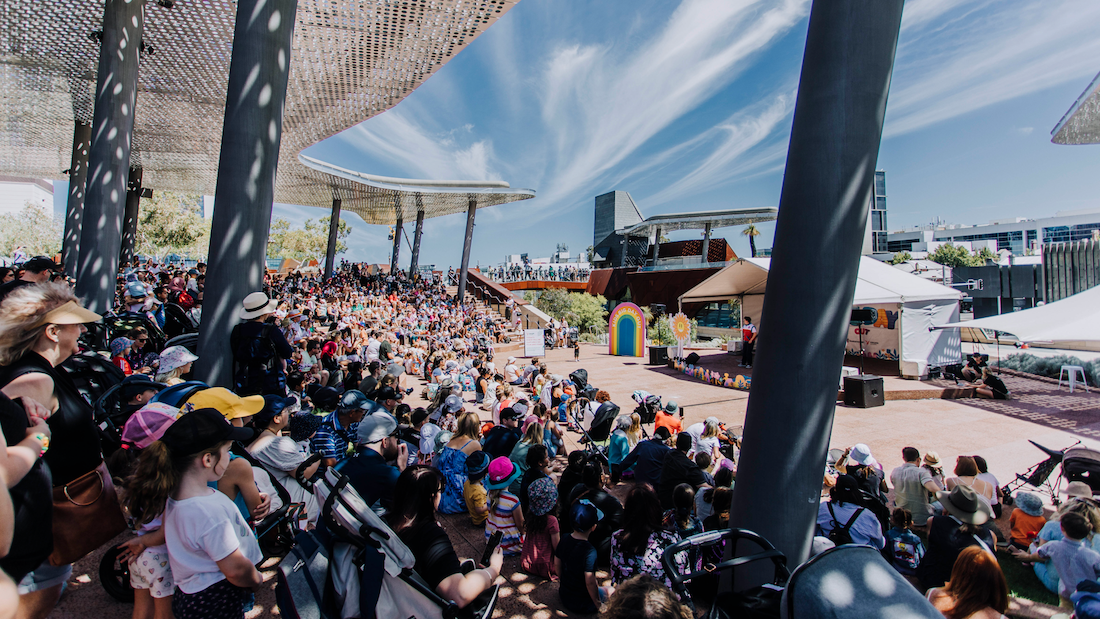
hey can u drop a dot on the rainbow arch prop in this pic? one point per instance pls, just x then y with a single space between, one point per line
626 331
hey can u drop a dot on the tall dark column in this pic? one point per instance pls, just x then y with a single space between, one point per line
130 217
333 231
416 236
258 73
396 243
466 244
656 244
827 185
74 207
109 154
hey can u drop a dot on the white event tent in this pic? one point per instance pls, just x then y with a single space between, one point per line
907 309
1072 323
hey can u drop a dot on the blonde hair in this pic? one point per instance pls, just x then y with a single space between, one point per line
534 434
23 310
710 429
468 425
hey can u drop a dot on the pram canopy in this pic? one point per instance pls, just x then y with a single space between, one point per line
602 421
1082 464
852 581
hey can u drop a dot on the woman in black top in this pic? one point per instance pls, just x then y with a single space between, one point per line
991 387
963 524
416 498
41 327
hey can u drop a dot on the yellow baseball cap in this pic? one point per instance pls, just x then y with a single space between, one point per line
229 404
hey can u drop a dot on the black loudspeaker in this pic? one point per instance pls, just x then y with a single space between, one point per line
692 359
658 355
864 315
863 391
658 309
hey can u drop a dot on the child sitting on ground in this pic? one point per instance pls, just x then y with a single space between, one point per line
473 489
1073 560
1026 520
505 514
542 529
575 563
905 548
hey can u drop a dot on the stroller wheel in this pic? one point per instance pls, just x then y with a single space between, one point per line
115 576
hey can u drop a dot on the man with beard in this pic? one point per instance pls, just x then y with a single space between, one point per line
367 470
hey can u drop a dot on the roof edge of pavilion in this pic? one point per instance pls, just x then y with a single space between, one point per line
700 219
414 186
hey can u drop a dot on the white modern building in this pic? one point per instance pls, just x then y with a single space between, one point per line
1021 236
16 191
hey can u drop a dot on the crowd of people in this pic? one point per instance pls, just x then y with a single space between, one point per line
320 375
540 272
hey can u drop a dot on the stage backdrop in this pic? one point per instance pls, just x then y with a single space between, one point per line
626 331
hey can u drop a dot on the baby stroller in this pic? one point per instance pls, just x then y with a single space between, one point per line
580 379
1082 464
648 405
704 551
359 564
852 581
1038 476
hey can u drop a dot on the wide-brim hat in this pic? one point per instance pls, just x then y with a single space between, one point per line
1029 503
175 357
542 496
672 407
502 472
861 455
257 304
1078 489
229 404
965 504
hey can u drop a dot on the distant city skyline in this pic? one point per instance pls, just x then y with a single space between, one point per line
688 106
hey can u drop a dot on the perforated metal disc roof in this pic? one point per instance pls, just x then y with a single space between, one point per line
1081 124
351 60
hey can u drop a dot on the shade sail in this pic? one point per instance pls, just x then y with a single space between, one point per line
1073 319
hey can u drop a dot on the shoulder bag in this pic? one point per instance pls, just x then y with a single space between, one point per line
86 515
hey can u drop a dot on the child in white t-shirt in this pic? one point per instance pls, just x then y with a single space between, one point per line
211 549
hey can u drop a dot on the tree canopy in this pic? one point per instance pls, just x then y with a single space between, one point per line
34 228
309 241
172 223
579 308
959 256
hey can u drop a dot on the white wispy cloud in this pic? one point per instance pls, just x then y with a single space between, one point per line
1000 51
394 135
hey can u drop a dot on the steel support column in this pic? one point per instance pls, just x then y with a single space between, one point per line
74 207
416 236
397 231
656 244
109 153
130 216
706 244
258 73
333 231
823 208
466 244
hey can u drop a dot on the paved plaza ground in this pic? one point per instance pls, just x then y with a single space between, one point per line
999 431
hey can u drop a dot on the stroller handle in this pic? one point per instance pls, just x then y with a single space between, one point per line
1053 453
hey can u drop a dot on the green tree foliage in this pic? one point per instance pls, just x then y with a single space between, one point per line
900 257
309 241
34 228
172 223
579 308
959 256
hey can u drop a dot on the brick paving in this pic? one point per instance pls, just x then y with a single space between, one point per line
1043 402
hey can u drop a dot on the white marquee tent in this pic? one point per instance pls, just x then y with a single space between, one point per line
907 307
1073 322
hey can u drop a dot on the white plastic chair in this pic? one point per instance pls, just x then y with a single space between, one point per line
1072 372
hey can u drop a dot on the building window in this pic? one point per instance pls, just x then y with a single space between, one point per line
1062 234
1012 241
878 221
880 183
896 246
717 315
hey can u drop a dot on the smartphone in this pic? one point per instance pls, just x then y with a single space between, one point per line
494 541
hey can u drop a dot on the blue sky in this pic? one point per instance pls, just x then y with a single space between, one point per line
688 106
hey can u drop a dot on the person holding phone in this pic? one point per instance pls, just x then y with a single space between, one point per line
413 518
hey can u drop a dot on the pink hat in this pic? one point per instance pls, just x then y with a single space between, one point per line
148 424
502 472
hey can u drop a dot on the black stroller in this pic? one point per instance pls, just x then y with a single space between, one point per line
648 405
705 563
1082 464
1038 476
356 566
579 378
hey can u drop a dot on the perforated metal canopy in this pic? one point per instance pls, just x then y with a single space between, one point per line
381 199
1081 124
700 219
351 60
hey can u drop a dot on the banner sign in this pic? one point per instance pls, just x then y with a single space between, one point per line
534 343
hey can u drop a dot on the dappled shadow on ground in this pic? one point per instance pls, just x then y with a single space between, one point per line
1045 403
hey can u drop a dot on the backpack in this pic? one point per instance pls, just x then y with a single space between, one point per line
840 534
904 551
256 368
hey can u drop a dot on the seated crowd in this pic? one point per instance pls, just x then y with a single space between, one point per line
320 373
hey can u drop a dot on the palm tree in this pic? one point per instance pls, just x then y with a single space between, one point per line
751 232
